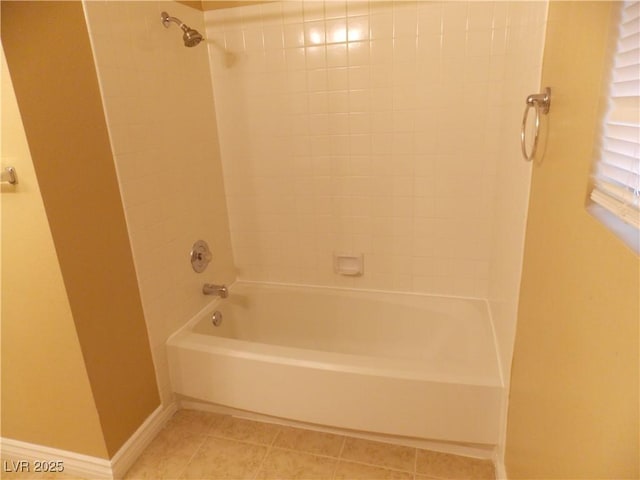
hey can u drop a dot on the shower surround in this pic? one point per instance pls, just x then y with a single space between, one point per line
389 129
383 128
161 116
369 127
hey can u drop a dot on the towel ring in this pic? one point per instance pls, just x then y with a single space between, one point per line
540 102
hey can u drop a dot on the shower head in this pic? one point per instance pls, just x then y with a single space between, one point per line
190 37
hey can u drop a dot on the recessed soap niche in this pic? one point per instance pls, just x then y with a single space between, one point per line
348 264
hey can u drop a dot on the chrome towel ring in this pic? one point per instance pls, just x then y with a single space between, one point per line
540 102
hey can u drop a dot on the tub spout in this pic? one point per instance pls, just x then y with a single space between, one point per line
219 290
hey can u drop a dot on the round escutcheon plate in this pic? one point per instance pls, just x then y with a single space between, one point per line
200 256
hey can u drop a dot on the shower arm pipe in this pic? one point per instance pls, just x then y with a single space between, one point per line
191 37
167 19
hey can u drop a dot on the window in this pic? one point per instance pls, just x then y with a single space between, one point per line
617 176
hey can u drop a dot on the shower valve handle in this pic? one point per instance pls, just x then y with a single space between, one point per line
200 256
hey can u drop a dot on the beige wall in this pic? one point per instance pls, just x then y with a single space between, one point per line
574 390
46 394
164 137
51 64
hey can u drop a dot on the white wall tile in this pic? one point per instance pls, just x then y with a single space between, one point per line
381 25
336 30
357 7
358 53
254 39
393 151
162 132
405 19
337 55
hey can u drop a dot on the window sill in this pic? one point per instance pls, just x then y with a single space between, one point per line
625 232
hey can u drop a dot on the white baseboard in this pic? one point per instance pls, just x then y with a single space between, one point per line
501 471
15 453
132 448
22 456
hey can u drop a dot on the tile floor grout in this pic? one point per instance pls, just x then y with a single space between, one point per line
207 427
195 452
339 458
272 443
209 446
335 467
266 454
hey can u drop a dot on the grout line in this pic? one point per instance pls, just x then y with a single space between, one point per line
195 452
335 467
339 457
275 438
271 445
267 453
383 467
250 442
259 469
216 434
306 452
344 443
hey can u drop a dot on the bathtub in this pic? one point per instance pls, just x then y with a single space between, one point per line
386 363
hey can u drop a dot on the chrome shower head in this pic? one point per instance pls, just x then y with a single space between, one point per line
191 37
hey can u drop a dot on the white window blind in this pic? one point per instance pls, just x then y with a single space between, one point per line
617 177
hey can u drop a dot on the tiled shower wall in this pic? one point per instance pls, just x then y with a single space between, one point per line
160 113
522 71
384 128
370 127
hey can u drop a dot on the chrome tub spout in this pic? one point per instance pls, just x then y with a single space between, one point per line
219 290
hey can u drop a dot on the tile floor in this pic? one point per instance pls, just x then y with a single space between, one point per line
200 445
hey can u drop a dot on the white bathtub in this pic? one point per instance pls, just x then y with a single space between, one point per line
390 363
